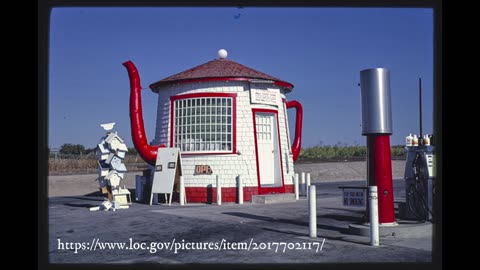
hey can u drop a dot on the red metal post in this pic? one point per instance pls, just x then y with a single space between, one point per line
379 173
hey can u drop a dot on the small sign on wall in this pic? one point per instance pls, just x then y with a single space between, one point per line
203 169
269 96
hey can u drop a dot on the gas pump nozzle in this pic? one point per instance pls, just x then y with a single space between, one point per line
419 165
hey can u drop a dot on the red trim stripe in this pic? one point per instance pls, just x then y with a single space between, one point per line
229 194
155 86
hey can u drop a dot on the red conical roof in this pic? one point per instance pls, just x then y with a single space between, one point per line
220 70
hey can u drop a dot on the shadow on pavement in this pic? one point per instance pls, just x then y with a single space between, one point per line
100 199
264 218
95 193
288 221
359 211
83 205
286 232
341 217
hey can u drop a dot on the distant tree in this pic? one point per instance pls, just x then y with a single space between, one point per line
132 151
72 149
90 150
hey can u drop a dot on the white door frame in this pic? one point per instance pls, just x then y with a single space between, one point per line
277 185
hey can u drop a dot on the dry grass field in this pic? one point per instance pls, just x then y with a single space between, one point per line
70 184
88 165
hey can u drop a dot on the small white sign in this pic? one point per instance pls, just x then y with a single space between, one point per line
168 169
269 96
354 197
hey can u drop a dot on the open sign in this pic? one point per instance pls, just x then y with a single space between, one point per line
203 169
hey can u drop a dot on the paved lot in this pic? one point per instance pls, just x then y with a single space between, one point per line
260 227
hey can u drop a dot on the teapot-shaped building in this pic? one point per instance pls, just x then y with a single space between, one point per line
227 120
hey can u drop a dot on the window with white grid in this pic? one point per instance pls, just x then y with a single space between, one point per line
203 124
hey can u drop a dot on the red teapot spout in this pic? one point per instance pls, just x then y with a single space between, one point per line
139 138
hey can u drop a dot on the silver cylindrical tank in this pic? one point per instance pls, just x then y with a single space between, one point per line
376 101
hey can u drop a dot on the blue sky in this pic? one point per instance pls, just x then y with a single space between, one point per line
321 51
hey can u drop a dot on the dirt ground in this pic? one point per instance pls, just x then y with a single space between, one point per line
344 171
70 185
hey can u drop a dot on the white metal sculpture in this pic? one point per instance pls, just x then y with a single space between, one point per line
111 151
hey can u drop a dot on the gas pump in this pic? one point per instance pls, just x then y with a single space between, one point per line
419 182
419 175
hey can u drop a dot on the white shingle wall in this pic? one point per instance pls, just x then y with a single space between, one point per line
229 166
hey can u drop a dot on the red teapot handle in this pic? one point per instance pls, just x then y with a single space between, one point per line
297 142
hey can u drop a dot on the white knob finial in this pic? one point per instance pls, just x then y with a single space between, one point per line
222 53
